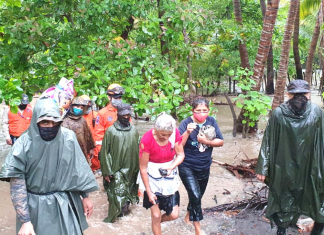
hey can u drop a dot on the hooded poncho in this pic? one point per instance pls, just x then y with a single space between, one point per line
291 158
55 173
119 157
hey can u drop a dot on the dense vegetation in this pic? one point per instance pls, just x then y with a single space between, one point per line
161 51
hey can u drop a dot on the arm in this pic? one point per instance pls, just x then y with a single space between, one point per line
179 159
212 143
143 162
89 138
105 158
19 199
5 125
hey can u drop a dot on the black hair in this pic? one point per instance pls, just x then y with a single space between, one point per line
198 101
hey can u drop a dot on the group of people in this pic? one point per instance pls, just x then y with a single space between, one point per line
48 167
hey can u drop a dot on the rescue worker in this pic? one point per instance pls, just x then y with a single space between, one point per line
106 118
15 124
48 173
75 122
90 116
120 164
291 160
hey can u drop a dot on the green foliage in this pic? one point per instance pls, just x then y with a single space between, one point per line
253 103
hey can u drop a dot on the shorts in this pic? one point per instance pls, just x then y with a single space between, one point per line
166 203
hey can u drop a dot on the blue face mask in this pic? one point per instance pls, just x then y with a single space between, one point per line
77 112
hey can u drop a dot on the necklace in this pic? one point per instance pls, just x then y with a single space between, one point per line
163 149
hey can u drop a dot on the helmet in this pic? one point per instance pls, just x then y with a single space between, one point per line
115 90
85 97
79 101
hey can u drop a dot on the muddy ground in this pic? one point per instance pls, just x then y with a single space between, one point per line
138 222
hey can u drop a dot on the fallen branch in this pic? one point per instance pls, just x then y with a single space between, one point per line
258 200
240 171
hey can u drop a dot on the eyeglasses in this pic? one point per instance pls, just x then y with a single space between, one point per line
201 111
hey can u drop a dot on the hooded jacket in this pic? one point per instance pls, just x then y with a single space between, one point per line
119 157
55 173
291 158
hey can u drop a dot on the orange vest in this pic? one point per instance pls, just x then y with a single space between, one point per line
89 119
19 122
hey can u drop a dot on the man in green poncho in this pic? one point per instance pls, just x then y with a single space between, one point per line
48 173
119 163
291 160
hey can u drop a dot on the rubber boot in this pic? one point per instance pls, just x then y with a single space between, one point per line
281 231
317 229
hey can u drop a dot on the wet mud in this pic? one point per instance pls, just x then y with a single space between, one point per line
139 220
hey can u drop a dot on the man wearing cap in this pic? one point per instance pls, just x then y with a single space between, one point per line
105 118
291 160
15 124
120 163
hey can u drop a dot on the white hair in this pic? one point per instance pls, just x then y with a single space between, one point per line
165 122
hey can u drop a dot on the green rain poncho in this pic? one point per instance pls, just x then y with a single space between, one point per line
119 157
291 158
57 168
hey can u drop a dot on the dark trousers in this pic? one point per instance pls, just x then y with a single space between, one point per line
13 138
195 182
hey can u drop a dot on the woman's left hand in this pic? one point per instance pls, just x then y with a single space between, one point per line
169 171
202 138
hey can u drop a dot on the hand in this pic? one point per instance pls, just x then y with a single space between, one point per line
152 197
169 171
9 141
191 127
202 138
27 229
107 178
91 153
261 177
87 207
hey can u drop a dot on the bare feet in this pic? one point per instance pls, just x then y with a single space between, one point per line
187 220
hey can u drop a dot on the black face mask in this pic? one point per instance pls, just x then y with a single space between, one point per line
22 106
48 133
124 122
298 104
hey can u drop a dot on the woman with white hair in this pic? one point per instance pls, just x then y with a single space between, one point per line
159 170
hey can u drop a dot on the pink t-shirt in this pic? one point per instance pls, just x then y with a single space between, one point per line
158 154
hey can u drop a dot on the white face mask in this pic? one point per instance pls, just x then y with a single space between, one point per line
115 102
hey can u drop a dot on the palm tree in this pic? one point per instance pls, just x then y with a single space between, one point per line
284 57
265 42
269 86
312 48
242 47
299 71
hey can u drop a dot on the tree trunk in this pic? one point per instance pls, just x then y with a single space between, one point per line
299 71
126 32
242 47
163 43
269 90
229 101
265 42
189 78
270 73
312 49
284 57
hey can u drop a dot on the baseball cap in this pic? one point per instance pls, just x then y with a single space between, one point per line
124 109
24 99
298 86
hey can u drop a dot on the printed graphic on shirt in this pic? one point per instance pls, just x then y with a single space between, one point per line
97 120
109 118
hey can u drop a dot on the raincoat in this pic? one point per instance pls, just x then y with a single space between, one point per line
291 158
119 157
55 173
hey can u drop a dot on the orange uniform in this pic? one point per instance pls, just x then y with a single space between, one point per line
89 119
105 118
19 122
